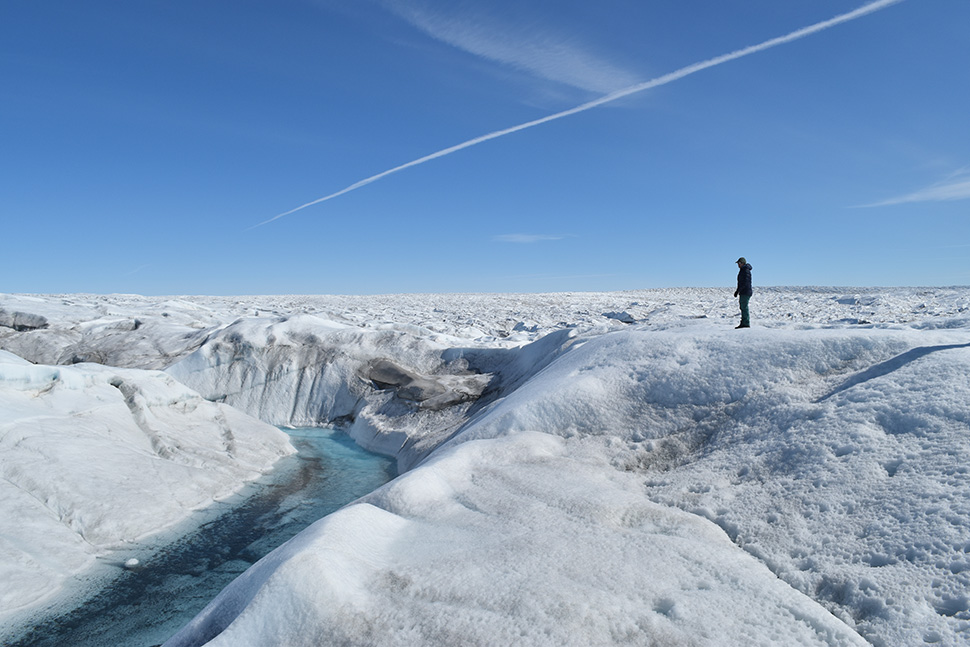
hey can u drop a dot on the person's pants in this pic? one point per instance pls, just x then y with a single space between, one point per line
743 300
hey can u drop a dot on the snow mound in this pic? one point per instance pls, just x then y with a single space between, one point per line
692 486
93 458
519 540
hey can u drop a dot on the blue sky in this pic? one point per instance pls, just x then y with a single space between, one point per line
148 147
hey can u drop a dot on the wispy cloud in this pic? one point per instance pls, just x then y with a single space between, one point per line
613 96
954 187
525 238
556 277
543 54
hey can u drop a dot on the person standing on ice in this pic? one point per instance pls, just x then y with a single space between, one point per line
744 291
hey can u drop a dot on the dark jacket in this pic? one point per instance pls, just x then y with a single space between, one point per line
744 281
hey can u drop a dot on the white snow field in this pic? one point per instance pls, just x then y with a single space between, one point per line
581 469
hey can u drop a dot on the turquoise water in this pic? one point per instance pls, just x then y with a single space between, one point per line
144 607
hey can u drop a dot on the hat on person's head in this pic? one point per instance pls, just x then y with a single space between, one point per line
741 260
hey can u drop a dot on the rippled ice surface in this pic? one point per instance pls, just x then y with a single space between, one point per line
144 606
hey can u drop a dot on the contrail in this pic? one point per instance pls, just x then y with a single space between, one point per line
613 96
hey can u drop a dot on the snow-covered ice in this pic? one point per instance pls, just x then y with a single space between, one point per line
582 469
93 458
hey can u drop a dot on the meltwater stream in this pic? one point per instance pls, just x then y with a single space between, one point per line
143 607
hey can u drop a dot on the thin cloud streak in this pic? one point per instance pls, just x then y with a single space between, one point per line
552 277
942 192
525 238
613 96
543 55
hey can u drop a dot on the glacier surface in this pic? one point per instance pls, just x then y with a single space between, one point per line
570 476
